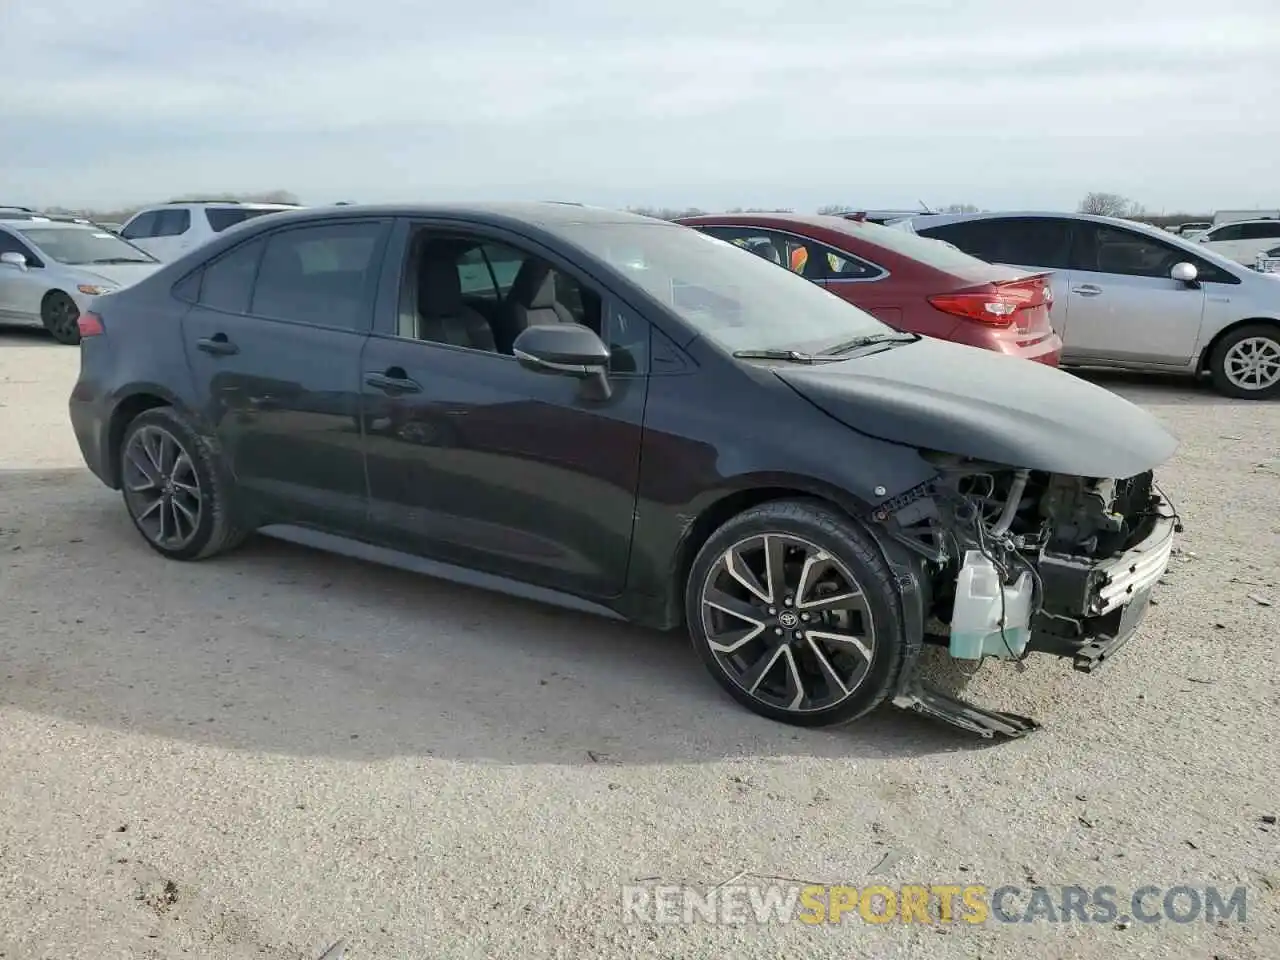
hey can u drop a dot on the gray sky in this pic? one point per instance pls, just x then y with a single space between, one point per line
666 102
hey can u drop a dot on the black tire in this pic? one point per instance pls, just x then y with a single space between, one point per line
215 528
60 316
1226 351
799 525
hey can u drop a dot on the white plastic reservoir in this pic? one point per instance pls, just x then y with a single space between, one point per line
976 620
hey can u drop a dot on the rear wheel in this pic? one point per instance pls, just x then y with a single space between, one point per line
794 612
1246 363
175 488
60 316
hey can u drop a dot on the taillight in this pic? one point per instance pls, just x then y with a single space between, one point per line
996 304
90 325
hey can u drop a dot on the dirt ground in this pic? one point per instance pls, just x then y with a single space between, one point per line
260 754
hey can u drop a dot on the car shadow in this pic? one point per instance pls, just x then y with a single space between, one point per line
279 649
14 334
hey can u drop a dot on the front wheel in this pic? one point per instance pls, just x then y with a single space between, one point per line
1246 363
61 317
795 613
175 489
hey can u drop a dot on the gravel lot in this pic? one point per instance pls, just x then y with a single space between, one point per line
257 755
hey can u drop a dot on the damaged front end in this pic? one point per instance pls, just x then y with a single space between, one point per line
996 561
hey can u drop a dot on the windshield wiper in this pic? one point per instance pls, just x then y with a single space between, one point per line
795 356
869 340
120 260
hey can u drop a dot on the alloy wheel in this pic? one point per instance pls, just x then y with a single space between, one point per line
62 318
1253 363
162 487
788 623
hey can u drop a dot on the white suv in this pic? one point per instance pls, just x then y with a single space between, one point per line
169 230
1242 240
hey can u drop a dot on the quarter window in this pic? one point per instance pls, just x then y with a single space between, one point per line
228 281
319 275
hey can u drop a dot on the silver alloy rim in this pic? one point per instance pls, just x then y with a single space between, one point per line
162 488
788 623
1253 363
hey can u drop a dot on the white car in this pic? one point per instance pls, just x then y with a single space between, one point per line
1131 296
1243 240
169 230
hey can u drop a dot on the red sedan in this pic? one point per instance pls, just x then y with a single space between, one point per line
912 283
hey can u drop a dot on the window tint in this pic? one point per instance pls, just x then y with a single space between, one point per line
228 281
141 226
488 270
1105 249
222 217
11 244
172 223
1260 231
318 274
1025 241
1233 231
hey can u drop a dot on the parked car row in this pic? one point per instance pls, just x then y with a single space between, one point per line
1056 288
642 420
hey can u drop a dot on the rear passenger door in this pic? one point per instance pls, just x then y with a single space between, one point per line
273 342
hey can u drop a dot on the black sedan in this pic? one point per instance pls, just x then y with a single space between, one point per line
629 417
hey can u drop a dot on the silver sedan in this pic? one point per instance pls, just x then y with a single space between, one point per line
50 271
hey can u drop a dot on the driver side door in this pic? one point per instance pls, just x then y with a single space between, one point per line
1124 305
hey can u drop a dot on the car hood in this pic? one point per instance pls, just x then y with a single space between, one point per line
977 403
119 274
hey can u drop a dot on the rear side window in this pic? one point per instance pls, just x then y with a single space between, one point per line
924 249
228 281
320 275
171 223
141 226
1025 241
220 218
1260 231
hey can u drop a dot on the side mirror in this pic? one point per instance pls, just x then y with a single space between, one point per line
14 260
568 349
1184 272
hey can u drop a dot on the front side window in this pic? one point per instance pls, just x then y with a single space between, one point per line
141 226
319 274
172 223
1232 231
1105 249
11 244
79 246
735 298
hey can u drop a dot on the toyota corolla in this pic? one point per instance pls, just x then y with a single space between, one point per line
633 418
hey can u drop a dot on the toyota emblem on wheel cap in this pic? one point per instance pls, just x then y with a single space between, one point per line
788 619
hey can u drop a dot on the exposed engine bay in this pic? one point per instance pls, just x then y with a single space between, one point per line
1017 561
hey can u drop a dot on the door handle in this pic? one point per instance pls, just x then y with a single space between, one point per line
1087 290
392 384
218 345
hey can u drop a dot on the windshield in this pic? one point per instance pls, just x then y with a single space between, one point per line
80 247
733 297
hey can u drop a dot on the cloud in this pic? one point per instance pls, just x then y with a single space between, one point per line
995 102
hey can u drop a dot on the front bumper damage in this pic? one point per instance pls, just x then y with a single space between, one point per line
1096 550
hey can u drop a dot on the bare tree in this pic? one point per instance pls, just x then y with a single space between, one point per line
1109 205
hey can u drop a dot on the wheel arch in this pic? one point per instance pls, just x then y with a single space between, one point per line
728 504
128 406
1202 366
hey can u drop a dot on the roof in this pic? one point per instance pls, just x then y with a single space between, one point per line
46 224
543 213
